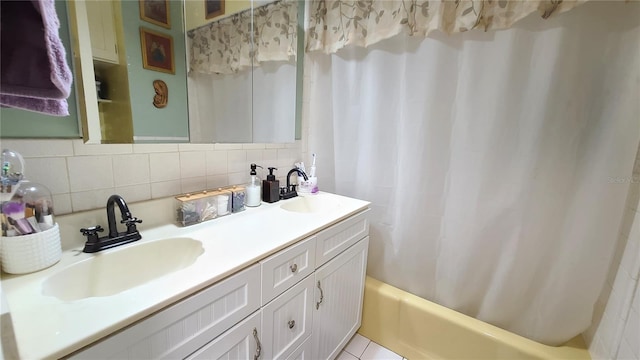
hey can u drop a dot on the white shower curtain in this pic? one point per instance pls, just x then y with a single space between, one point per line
497 163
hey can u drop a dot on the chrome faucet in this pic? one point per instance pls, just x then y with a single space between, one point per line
114 238
290 191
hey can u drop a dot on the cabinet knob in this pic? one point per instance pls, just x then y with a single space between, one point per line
293 268
291 324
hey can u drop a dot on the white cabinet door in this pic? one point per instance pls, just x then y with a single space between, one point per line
287 320
303 352
182 328
102 30
240 342
338 300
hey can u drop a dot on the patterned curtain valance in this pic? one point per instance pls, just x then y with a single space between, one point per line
334 24
224 46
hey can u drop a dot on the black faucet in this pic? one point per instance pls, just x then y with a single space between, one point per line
290 191
95 243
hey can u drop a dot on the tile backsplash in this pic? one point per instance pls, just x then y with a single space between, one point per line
82 177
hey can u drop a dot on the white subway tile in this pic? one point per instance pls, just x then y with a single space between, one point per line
195 147
154 148
632 332
635 305
227 146
39 148
50 172
254 156
236 160
135 193
606 331
294 145
269 155
275 146
164 166
284 165
238 178
216 162
625 352
192 164
132 169
61 204
284 154
80 148
217 181
631 258
193 184
87 200
257 146
597 350
90 173
634 193
165 189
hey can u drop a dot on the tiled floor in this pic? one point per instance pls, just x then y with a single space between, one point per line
364 349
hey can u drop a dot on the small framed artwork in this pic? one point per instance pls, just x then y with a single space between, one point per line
156 12
157 51
213 8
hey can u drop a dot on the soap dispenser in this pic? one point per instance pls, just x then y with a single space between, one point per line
271 187
254 188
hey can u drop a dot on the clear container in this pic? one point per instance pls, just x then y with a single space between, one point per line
195 208
11 173
29 211
238 197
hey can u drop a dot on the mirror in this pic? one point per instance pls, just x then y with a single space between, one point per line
166 71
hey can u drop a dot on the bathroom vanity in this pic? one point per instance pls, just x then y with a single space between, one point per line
281 281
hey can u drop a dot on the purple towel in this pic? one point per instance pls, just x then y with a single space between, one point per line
34 74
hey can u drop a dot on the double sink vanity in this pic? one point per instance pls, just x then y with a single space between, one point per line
280 281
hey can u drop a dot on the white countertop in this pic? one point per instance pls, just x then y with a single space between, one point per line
46 327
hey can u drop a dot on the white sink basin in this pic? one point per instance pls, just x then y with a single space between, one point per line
311 203
122 268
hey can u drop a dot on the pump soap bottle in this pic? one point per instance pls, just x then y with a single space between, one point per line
254 188
271 187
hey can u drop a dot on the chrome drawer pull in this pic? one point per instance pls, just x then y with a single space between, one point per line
293 268
258 345
291 323
321 296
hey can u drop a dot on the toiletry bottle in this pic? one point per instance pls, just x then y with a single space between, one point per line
313 180
254 188
271 188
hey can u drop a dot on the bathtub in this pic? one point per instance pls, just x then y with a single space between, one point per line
419 329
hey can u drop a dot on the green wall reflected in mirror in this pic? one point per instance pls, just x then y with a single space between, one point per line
130 99
16 123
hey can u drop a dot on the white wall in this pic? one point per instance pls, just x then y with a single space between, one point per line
615 332
82 177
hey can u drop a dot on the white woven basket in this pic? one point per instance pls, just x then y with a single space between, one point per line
29 253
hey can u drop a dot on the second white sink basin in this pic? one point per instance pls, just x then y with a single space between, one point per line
311 203
123 268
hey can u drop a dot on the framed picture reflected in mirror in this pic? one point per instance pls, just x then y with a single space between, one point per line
213 8
156 12
157 51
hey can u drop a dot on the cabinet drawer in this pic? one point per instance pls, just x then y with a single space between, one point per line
284 269
286 321
182 328
339 237
239 342
303 352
